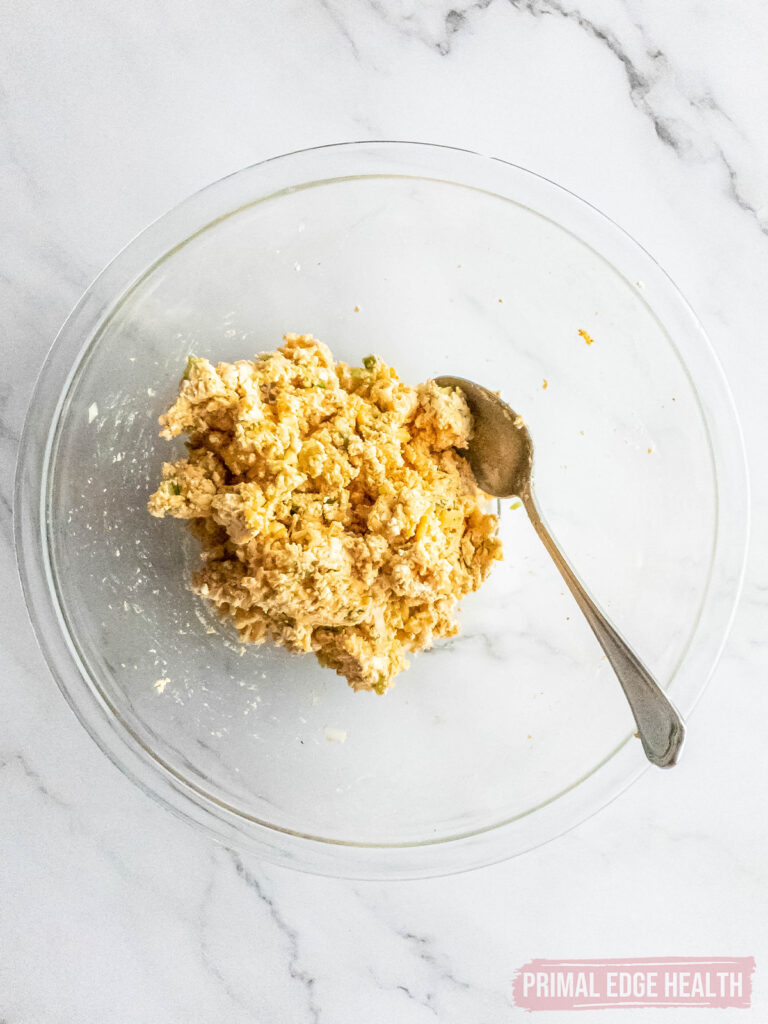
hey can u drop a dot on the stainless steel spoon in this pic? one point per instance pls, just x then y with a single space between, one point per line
500 455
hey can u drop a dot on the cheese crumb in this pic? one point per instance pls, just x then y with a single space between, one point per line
335 735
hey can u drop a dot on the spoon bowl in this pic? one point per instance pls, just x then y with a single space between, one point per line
500 454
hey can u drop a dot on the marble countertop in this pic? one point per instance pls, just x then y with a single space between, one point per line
113 911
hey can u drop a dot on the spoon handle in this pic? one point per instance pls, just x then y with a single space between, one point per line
659 725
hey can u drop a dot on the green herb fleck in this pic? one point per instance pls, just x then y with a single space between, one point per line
517 504
369 362
191 363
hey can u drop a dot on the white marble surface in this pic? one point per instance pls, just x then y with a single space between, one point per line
112 911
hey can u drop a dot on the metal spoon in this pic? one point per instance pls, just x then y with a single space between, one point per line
500 456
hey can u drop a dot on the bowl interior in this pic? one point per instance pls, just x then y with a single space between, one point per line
437 278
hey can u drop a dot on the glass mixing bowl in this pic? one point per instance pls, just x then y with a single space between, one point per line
442 261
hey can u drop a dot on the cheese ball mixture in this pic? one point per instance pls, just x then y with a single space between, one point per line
334 512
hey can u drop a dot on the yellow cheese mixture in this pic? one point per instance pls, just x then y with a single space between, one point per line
334 512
